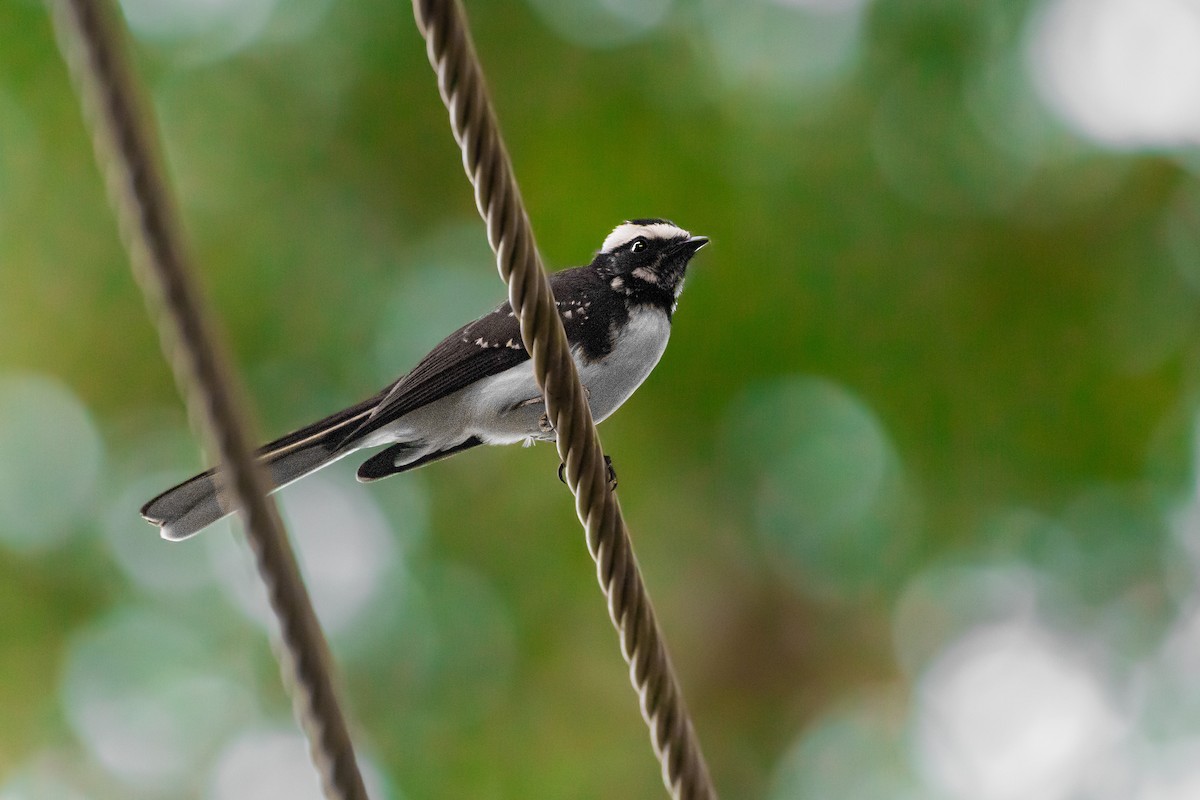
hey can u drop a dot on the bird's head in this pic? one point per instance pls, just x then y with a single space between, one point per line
648 258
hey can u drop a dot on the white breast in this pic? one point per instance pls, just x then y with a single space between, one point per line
611 380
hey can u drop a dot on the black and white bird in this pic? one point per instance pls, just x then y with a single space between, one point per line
477 386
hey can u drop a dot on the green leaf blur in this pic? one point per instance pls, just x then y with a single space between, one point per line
927 420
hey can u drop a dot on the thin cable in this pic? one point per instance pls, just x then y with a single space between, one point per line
486 160
91 39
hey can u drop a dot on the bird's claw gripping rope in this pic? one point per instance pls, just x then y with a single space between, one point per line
612 473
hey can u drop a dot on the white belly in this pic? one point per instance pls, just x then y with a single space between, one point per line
611 380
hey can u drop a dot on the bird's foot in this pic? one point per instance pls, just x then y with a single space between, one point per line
612 473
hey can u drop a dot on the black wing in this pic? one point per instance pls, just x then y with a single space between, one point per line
488 346
386 462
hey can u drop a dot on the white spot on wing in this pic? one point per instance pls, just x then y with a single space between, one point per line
626 232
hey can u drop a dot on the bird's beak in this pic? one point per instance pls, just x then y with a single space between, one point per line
690 246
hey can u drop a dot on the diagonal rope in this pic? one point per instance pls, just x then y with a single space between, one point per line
473 120
91 38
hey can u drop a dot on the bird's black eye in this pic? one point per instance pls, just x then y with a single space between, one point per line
639 245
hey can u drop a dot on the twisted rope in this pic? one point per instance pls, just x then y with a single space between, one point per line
485 158
91 39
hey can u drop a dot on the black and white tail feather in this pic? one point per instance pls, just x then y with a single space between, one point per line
477 386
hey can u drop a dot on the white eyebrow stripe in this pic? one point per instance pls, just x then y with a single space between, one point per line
626 232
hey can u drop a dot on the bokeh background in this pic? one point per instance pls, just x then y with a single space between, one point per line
914 487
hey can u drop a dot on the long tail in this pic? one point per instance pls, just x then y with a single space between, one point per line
193 505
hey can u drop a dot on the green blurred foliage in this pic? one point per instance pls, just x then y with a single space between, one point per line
934 327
